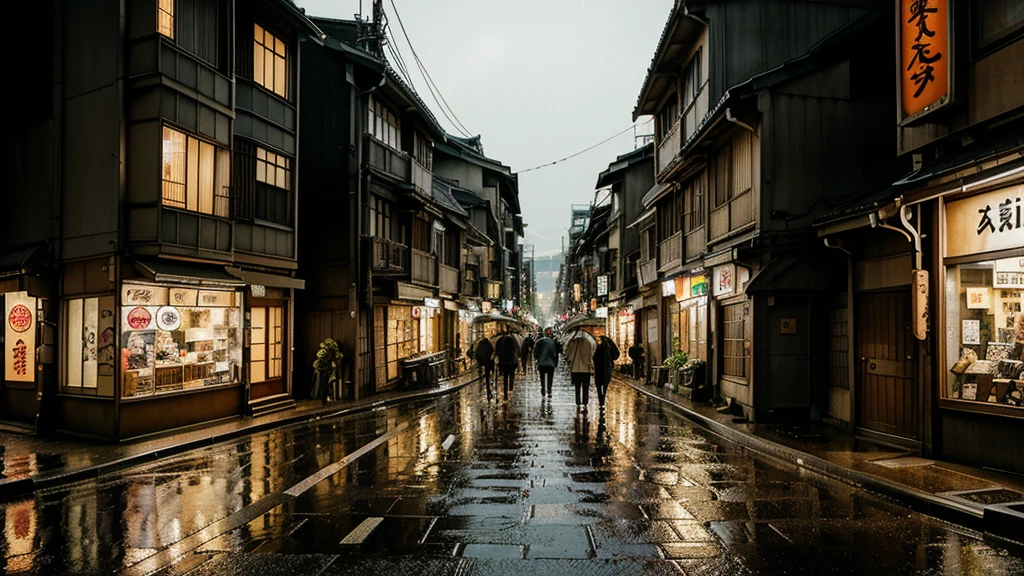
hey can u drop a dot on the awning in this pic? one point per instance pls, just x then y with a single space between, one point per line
800 272
642 217
181 272
264 279
20 260
656 193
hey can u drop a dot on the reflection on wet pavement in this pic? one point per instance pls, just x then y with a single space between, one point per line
528 487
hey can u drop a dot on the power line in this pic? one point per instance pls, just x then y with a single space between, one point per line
571 156
431 85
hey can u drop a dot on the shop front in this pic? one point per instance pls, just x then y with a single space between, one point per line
691 294
402 331
981 327
733 332
623 322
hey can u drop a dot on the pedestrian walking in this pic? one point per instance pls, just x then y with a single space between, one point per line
579 353
636 354
527 352
507 351
605 356
545 351
483 352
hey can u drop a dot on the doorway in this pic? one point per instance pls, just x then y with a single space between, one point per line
887 393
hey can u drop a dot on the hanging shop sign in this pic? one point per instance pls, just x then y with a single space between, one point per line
168 318
593 303
698 286
601 312
985 223
925 57
20 337
431 302
258 291
725 280
919 303
139 318
576 292
668 288
141 295
682 288
602 285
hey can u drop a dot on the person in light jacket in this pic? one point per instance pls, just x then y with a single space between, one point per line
579 352
545 351
604 364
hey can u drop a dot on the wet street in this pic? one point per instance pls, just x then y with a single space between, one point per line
462 486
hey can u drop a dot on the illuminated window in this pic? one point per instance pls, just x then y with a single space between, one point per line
196 175
267 343
165 18
89 341
270 62
273 169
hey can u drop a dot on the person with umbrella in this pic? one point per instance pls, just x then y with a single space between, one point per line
483 352
579 351
507 351
605 356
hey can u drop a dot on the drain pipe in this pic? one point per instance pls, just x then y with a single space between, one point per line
913 234
851 352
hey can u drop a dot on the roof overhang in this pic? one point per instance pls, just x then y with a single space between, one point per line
681 32
649 214
657 192
265 279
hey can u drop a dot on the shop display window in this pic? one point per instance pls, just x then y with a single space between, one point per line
89 340
171 348
985 332
402 338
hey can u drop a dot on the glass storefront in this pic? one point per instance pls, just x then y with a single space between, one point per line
983 301
175 339
985 331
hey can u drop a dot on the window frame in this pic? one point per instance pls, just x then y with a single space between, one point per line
383 124
103 303
272 345
218 204
161 10
1006 37
281 164
260 51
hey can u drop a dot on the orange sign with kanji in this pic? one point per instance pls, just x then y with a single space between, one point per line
924 54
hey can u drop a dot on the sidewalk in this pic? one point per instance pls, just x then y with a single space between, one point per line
29 462
978 498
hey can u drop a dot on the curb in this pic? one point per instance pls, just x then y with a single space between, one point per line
916 500
10 489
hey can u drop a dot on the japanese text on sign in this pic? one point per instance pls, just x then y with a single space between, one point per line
924 49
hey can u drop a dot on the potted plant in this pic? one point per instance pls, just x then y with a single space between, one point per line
325 371
674 363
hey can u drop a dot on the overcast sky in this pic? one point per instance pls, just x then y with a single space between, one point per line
538 79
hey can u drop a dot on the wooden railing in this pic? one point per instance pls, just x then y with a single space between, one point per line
737 213
387 159
694 114
388 257
668 148
646 271
670 251
424 268
449 277
695 243
422 179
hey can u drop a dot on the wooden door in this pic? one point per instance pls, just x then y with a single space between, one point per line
267 352
887 392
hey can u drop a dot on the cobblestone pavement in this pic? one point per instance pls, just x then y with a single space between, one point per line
462 486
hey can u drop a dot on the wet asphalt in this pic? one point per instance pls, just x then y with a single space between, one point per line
464 486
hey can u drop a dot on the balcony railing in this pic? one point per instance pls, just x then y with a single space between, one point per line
424 268
646 271
694 114
422 179
695 243
388 160
670 251
388 257
449 277
668 148
735 214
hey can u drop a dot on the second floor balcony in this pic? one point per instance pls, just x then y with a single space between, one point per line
670 251
668 147
448 278
646 271
734 215
423 268
388 257
387 160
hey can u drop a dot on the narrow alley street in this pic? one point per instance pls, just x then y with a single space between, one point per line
463 486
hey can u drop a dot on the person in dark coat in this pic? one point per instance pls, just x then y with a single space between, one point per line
605 356
527 351
546 354
507 351
636 354
483 352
